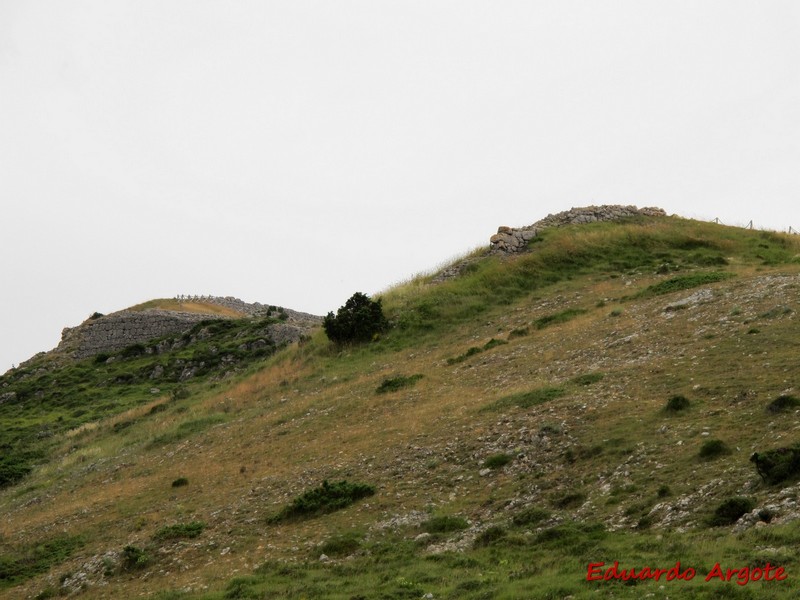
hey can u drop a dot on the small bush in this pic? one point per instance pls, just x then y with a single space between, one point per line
397 383
133 351
497 461
341 545
731 510
713 449
180 482
530 516
326 498
519 332
617 312
444 524
664 491
587 378
778 465
570 500
134 558
180 530
490 536
782 404
359 320
677 404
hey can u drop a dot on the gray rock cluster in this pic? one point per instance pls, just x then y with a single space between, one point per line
508 239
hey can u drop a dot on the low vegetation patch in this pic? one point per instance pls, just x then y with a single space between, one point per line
326 498
397 383
729 511
783 403
475 350
778 465
180 530
134 558
496 461
712 449
527 399
444 524
180 482
684 282
677 404
587 378
341 545
559 317
23 563
530 516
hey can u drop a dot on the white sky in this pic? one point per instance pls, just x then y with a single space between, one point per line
295 152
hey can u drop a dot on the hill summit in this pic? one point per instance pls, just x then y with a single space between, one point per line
619 396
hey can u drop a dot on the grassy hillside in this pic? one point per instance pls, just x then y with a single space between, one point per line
595 400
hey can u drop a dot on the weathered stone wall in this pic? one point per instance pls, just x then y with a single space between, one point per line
122 329
508 239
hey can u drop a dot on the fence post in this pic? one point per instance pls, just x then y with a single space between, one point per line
750 224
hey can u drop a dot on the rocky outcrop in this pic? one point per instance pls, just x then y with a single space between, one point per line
508 239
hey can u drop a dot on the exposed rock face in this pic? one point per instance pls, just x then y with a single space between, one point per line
509 239
113 332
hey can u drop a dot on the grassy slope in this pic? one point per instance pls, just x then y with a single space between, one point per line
614 476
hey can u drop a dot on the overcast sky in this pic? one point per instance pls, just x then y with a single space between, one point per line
295 152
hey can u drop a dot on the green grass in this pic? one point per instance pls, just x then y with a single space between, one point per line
19 564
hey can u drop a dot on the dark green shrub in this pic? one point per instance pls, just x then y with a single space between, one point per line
493 343
713 448
242 588
780 464
341 545
731 510
180 530
134 558
783 403
497 461
530 516
444 524
326 498
359 320
519 332
396 383
133 351
664 491
587 378
180 482
677 403
490 536
95 315
571 500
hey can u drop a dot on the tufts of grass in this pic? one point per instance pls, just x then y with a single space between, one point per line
530 516
180 482
397 383
527 399
326 498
